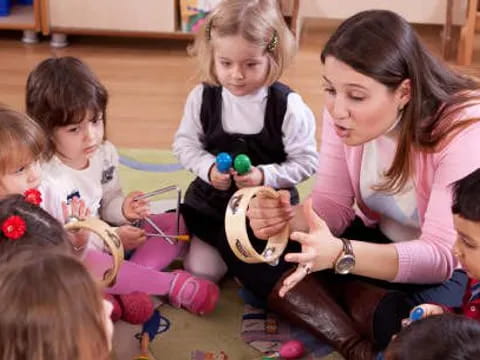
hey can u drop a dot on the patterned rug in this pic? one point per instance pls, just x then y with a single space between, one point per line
234 331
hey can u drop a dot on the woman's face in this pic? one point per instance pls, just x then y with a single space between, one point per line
361 107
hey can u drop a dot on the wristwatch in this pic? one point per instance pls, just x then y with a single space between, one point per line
346 260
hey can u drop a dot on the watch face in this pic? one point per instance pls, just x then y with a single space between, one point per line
345 264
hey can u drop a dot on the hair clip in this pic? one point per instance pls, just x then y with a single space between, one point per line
272 45
33 196
208 30
14 227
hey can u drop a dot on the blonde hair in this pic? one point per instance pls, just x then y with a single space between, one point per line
257 21
22 140
50 308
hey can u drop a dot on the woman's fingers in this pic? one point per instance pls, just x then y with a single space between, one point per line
294 278
301 258
303 238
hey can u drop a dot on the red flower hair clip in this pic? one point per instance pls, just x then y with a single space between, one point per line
14 227
33 196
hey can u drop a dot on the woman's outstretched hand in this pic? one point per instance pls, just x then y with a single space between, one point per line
269 216
320 249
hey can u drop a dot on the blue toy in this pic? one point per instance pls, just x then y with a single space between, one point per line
224 162
417 314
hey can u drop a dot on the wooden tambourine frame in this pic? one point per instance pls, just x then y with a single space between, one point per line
236 228
109 237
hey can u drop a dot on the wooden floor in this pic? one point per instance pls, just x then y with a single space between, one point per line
149 79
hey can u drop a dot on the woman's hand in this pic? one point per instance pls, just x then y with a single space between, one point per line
220 181
131 236
269 216
320 249
253 178
135 209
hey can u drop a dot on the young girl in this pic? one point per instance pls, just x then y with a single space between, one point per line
23 224
240 108
23 144
196 295
39 276
22 147
42 315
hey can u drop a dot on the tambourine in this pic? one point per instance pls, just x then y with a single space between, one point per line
109 237
236 228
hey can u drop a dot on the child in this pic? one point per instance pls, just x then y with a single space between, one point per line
466 218
69 103
23 144
240 108
445 336
23 224
42 315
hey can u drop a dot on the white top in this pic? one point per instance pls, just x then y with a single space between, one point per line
399 219
98 185
246 115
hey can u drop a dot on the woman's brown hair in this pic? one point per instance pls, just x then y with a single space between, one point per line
22 140
63 91
382 45
50 308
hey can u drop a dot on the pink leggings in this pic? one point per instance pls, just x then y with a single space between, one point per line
143 271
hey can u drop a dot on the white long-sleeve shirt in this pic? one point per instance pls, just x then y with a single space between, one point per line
246 115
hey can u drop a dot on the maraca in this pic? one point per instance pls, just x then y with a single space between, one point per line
417 314
292 349
242 164
223 162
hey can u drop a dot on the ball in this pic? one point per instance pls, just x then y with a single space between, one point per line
224 162
242 164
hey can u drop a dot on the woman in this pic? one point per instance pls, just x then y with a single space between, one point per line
398 129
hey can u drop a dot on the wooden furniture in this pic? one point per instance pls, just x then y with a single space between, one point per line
452 14
467 34
147 18
23 17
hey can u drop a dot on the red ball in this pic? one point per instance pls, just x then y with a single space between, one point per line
137 307
117 309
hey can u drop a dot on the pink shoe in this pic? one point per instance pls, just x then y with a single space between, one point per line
199 296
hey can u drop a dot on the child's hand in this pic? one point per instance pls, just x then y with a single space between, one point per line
135 209
253 178
220 181
76 209
131 236
428 310
79 239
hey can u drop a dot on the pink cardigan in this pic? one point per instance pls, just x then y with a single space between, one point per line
428 259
